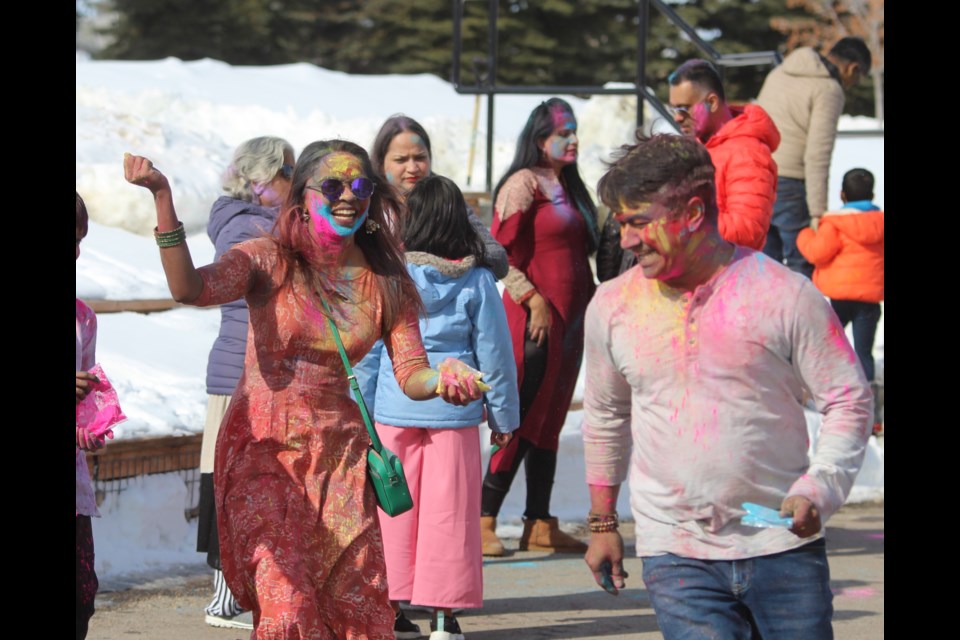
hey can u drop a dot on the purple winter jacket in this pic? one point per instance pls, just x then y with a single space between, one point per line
233 221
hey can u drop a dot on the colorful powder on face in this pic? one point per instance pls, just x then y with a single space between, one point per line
668 234
556 146
325 226
563 119
340 165
269 197
327 231
700 113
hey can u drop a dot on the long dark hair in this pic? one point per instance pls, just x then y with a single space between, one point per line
437 221
300 252
82 216
539 126
395 125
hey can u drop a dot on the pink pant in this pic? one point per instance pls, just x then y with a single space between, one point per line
433 551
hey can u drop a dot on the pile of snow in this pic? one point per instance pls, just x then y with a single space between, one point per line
143 528
189 116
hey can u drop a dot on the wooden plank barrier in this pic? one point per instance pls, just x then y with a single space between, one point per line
142 456
138 306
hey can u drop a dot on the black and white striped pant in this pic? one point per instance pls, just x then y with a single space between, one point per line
223 603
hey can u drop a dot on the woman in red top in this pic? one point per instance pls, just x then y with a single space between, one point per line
545 219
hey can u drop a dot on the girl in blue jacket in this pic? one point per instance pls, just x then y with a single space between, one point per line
433 552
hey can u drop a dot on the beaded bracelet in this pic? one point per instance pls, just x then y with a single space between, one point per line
173 238
603 522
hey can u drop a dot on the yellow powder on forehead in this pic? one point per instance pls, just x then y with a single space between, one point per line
340 165
628 210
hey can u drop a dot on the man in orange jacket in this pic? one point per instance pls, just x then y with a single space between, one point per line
741 142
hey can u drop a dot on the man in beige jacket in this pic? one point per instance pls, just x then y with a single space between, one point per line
804 96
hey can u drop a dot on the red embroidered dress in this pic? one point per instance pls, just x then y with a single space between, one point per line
300 542
547 245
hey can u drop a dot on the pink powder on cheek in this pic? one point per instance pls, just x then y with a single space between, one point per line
662 236
269 197
325 235
700 113
323 232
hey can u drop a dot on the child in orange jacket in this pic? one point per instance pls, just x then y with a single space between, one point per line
846 250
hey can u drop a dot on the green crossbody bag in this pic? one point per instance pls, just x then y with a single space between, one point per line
383 466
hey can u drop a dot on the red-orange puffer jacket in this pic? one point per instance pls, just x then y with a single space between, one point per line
847 253
746 175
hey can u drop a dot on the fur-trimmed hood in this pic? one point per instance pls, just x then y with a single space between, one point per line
465 319
438 279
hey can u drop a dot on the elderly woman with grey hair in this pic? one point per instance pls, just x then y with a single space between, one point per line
255 184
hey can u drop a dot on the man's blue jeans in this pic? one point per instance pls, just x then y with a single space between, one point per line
785 596
790 215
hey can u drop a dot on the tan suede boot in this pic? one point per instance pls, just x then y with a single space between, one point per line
545 535
489 541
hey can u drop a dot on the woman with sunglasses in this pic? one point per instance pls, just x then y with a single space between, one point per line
255 184
547 222
299 538
401 151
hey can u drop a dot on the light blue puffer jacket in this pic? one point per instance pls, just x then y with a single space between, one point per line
465 320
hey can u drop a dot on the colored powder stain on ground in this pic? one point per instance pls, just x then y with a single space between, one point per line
858 593
514 565
875 536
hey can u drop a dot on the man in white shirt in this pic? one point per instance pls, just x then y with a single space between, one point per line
697 363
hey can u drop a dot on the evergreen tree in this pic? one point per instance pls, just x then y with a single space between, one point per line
540 42
823 22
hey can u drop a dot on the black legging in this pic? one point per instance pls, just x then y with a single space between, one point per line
540 464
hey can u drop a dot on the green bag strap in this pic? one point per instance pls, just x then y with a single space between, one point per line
354 385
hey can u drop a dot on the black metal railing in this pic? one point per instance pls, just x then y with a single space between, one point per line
486 82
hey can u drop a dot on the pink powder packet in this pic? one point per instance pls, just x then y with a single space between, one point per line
100 411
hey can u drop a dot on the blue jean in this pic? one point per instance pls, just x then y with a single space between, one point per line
784 596
865 316
790 215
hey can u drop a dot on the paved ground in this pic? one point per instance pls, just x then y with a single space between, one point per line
528 595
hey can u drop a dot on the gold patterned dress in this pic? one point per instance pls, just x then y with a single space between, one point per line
299 538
